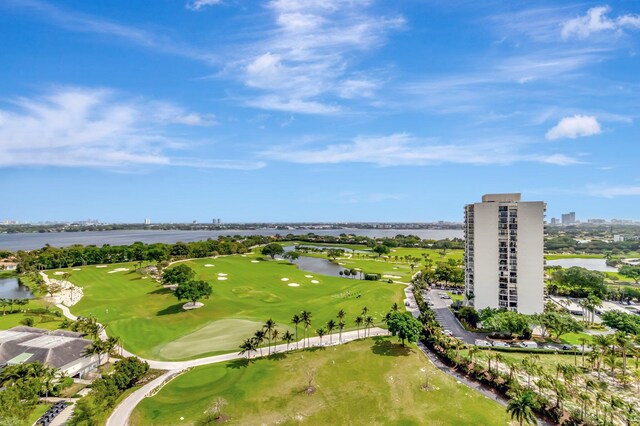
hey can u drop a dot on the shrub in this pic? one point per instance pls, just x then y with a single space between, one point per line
28 321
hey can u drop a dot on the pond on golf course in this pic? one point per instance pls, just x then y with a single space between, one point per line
10 288
592 264
319 266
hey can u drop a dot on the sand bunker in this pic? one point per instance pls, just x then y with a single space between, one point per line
208 265
255 261
391 276
315 281
118 270
243 255
76 269
309 276
222 278
58 273
284 279
188 306
293 285
221 274
101 266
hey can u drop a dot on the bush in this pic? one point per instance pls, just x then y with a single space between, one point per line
371 277
28 321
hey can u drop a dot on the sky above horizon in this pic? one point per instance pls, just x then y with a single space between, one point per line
316 110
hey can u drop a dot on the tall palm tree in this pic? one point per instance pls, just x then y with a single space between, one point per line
625 343
296 320
259 336
274 335
306 321
288 338
368 323
321 332
585 399
4 303
395 307
583 342
365 311
247 347
358 322
97 347
341 325
340 316
521 407
268 328
331 325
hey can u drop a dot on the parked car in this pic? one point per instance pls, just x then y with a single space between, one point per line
448 332
567 347
499 344
529 345
480 342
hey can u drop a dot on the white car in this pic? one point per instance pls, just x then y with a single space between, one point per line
480 342
448 332
499 344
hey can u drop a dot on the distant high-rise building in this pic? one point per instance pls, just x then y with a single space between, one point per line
216 221
147 221
504 253
554 221
569 218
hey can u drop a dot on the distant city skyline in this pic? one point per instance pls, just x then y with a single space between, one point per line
294 111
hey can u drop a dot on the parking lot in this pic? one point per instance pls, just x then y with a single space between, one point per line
446 319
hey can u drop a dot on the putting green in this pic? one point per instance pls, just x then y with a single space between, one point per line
371 381
152 324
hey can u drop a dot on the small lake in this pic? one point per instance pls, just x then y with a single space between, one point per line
592 264
10 288
319 266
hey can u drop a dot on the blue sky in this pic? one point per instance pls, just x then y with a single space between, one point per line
316 110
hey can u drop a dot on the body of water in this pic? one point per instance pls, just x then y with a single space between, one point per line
592 264
317 265
32 241
10 288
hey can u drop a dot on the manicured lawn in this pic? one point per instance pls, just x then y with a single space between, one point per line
573 256
455 297
36 309
152 323
369 381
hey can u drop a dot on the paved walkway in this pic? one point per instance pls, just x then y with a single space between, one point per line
121 414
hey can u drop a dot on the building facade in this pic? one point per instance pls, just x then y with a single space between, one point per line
504 253
569 218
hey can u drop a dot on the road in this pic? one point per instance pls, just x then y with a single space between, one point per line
447 320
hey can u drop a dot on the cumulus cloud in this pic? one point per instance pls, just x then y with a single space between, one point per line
403 149
574 127
83 127
597 21
200 4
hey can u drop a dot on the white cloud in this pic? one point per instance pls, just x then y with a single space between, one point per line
308 55
81 127
298 106
596 21
574 127
613 191
403 149
199 4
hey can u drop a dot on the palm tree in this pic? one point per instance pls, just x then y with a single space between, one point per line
358 321
625 343
4 303
521 407
583 341
97 347
274 335
340 316
111 343
288 338
247 347
306 320
259 339
585 399
365 311
321 332
331 325
395 307
268 328
296 320
368 323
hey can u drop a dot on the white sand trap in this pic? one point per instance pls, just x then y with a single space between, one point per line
243 255
144 278
118 270
58 273
340 263
395 267
208 265
76 269
188 306
309 276
391 276
221 274
284 279
315 281
357 269
293 285
222 278
255 261
101 266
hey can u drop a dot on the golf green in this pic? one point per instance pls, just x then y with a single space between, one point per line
371 381
246 292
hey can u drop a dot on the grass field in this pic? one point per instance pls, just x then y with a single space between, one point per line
152 323
37 309
364 382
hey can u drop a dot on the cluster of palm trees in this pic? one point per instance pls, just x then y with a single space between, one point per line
46 378
271 334
4 302
576 390
100 347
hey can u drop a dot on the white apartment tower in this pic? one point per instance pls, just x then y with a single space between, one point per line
504 253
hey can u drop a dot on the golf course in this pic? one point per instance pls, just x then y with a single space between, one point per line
369 381
247 290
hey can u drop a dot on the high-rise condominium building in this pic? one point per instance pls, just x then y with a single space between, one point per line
569 218
504 253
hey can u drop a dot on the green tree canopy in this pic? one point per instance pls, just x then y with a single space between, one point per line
272 250
507 321
381 249
405 326
580 281
178 274
622 321
632 272
193 291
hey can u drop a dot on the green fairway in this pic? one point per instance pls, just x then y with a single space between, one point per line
152 323
364 382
